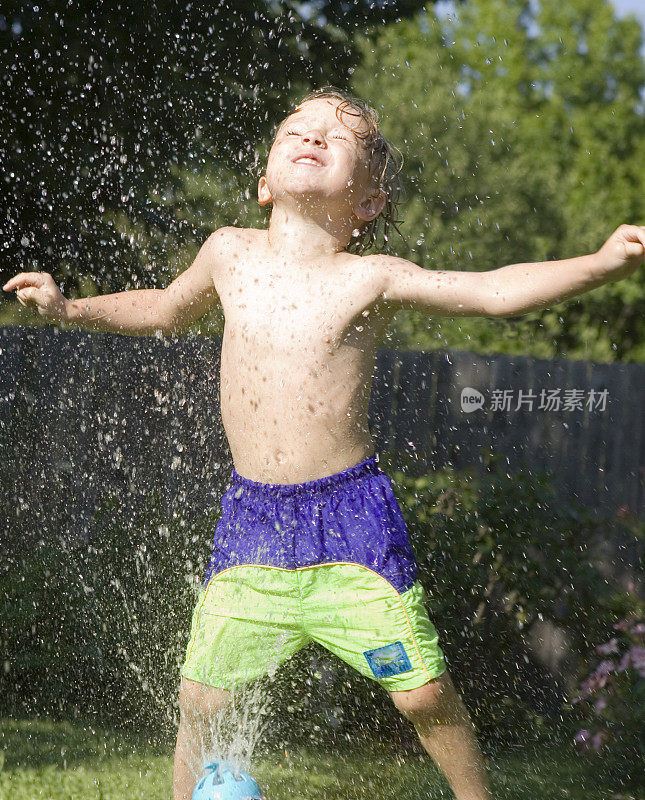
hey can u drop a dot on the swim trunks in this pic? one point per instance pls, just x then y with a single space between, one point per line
327 560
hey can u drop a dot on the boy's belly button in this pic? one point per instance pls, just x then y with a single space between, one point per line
280 457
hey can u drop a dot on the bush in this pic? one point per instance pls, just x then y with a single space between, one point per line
100 628
611 699
498 553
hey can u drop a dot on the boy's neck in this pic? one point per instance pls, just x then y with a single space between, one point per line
302 238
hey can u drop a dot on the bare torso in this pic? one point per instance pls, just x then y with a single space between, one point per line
297 359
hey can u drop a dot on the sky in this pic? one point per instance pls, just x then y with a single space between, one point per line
631 6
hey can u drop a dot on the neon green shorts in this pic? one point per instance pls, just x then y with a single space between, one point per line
252 618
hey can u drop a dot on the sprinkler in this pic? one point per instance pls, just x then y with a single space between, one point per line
223 782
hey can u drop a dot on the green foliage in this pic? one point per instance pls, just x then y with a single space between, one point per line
100 628
497 555
523 135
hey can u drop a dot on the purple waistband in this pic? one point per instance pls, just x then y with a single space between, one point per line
368 467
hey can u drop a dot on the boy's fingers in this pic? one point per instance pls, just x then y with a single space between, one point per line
24 278
634 249
637 231
12 282
23 296
635 234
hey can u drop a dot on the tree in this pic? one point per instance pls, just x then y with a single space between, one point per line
111 110
523 136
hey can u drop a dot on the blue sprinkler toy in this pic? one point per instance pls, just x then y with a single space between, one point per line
221 782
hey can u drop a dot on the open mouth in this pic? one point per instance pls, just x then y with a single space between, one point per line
308 160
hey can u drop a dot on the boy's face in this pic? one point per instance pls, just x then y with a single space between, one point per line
318 158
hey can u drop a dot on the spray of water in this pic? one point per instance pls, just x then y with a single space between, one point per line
234 734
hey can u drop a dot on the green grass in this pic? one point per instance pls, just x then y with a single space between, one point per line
64 761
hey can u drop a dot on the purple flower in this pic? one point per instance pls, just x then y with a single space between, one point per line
622 625
609 647
585 740
600 704
638 628
604 668
592 684
638 657
582 737
624 662
598 739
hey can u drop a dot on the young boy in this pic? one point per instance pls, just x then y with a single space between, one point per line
311 544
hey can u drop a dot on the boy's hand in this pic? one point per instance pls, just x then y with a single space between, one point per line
623 253
38 290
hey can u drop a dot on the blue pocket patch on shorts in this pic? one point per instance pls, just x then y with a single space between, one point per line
389 660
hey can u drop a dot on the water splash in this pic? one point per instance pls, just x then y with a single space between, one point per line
234 735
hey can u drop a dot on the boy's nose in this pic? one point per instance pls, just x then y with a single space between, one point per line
313 137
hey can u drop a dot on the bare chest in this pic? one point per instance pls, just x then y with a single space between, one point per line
300 310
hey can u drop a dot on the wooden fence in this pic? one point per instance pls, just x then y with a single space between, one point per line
82 411
583 421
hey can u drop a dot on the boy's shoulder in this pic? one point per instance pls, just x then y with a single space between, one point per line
224 245
228 240
384 267
387 263
230 235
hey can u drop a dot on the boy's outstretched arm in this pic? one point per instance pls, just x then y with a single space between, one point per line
514 289
191 295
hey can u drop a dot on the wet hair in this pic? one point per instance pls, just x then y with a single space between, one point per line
385 161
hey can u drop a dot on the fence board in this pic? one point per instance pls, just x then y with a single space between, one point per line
633 431
443 417
615 442
384 386
557 424
411 415
17 348
538 444
574 455
501 430
205 462
598 435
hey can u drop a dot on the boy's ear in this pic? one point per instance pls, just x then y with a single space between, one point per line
370 208
264 195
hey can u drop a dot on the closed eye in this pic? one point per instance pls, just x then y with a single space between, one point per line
332 136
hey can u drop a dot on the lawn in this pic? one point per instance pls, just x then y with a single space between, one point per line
64 761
